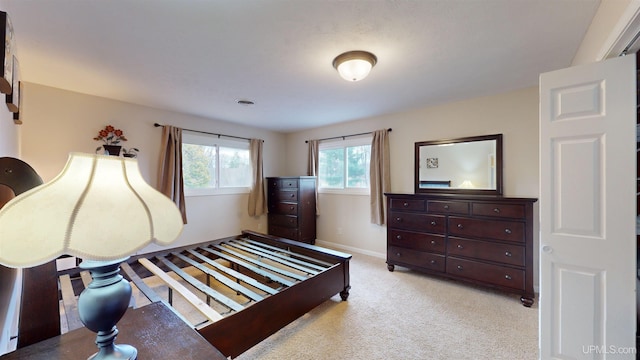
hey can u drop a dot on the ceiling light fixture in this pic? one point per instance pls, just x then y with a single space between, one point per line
354 65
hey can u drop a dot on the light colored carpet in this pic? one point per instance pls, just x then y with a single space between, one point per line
407 315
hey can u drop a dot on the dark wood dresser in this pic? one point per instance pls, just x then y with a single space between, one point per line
292 207
484 240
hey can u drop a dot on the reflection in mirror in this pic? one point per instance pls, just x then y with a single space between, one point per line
471 165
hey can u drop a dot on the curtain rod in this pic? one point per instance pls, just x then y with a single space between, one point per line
209 133
345 136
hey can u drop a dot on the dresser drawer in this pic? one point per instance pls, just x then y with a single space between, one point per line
416 258
408 204
420 222
416 241
448 207
503 253
283 195
488 229
283 183
287 233
290 221
284 208
498 210
494 274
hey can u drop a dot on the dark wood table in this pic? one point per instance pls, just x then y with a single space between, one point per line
154 330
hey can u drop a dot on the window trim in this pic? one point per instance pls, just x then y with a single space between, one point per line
359 141
213 140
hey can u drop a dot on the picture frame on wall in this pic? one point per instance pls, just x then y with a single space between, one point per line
13 99
6 32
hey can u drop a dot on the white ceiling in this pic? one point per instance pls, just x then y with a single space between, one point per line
200 56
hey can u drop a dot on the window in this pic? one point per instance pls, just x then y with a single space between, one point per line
344 165
212 165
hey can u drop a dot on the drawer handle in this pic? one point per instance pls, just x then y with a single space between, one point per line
398 254
446 207
406 204
433 242
433 223
399 219
292 195
507 231
399 237
432 262
291 208
460 246
459 267
290 184
496 210
460 226
507 253
508 277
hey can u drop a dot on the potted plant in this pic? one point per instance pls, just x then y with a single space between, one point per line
111 138
130 152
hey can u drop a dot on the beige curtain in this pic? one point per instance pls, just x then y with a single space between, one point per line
257 204
170 175
312 168
380 175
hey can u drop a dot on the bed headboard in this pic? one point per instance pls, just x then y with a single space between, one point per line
39 317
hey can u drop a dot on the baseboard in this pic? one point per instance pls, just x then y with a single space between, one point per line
349 249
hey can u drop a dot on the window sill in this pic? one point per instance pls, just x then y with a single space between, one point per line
359 192
215 192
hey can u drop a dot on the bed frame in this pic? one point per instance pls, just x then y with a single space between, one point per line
278 279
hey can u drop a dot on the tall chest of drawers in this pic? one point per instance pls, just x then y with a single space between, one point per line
291 202
479 239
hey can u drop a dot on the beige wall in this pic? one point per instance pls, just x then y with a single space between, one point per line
57 122
344 219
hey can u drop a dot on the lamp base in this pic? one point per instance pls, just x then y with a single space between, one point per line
116 352
102 304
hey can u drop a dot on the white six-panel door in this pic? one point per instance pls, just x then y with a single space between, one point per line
587 211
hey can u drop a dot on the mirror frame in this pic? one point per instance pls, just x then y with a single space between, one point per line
457 191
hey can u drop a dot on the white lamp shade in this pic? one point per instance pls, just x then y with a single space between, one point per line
98 208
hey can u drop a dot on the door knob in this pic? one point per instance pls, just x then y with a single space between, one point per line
548 249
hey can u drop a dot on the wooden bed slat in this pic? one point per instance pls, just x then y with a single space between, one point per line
70 303
188 295
262 264
86 278
257 270
238 275
285 251
221 278
288 261
217 296
137 281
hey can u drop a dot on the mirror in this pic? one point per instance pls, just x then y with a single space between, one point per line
471 165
